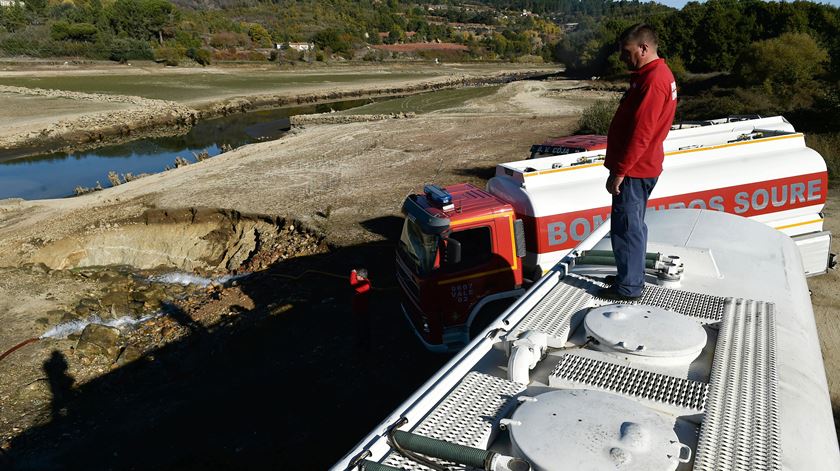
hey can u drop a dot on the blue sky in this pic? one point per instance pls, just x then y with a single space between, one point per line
681 3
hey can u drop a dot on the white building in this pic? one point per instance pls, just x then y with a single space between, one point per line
296 46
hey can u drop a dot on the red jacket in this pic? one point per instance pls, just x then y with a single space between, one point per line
643 119
360 297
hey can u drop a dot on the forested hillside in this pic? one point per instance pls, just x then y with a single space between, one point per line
207 30
701 37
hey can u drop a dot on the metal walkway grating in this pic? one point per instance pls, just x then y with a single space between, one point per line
554 312
740 429
467 415
685 395
706 307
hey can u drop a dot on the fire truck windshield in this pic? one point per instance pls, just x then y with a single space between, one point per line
421 247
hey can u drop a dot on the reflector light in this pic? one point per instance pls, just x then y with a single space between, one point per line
437 195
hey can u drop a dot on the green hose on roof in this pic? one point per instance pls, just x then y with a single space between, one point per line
466 455
373 466
610 254
608 261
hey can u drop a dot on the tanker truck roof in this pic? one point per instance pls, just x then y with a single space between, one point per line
724 138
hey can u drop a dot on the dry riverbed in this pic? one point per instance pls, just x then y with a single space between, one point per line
129 102
264 369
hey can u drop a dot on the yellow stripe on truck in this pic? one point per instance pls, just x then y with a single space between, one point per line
788 226
476 275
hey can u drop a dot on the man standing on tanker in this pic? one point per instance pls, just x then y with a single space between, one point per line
635 154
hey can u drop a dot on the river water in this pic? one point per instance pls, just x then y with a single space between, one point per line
56 175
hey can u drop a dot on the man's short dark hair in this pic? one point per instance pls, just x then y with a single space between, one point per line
640 33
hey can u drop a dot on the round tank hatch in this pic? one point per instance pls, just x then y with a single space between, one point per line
593 430
646 331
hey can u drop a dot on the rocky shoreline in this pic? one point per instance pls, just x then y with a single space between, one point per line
159 118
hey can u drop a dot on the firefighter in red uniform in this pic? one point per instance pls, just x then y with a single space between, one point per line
635 154
361 317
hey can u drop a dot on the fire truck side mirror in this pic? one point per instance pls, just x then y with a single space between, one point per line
453 251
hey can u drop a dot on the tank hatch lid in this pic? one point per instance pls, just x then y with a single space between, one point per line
593 430
645 331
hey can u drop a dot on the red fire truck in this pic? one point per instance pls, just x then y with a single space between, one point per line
569 145
465 253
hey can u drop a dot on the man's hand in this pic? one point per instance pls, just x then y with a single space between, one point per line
614 184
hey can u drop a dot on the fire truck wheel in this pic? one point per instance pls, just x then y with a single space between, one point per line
535 275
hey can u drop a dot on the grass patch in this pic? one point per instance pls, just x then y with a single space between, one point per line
596 118
426 102
180 87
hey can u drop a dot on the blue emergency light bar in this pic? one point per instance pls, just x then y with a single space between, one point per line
437 195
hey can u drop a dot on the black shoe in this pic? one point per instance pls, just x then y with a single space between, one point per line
609 279
613 294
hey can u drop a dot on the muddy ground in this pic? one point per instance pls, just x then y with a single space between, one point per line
269 370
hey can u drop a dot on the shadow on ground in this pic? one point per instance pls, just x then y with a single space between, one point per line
483 173
282 386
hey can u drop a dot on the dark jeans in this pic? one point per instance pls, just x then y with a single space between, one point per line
628 233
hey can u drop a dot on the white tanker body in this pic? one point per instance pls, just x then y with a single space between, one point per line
757 168
716 367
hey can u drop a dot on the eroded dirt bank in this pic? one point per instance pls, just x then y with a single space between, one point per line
152 118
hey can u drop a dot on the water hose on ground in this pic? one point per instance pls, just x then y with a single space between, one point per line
324 273
18 346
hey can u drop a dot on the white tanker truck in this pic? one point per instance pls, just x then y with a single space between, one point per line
463 248
717 367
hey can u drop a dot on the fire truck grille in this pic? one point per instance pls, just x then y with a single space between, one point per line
406 280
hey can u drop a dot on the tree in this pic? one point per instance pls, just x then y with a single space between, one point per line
331 38
143 19
786 61
36 6
201 56
259 35
124 49
64 31
14 17
395 34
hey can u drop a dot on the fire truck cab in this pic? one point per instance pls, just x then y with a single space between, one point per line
453 259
